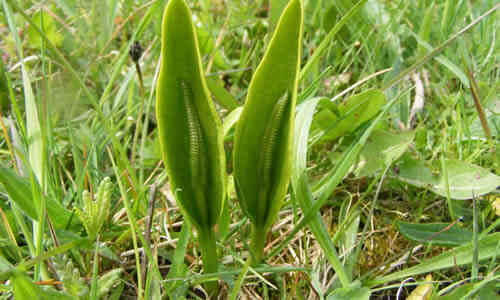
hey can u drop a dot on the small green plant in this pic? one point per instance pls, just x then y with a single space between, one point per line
95 212
70 277
263 139
190 130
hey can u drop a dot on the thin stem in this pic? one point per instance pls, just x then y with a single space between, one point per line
141 110
239 282
257 244
475 251
480 110
208 249
149 222
133 227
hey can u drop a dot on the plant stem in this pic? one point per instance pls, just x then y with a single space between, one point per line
208 249
141 110
257 244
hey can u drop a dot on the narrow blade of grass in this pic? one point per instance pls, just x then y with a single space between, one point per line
439 48
303 192
323 46
178 268
488 247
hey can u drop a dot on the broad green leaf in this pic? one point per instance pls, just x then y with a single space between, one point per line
381 149
435 233
24 289
189 128
336 120
20 191
275 10
465 180
190 131
462 255
355 291
263 138
49 29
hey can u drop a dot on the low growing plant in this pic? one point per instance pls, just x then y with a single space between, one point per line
190 130
263 138
95 211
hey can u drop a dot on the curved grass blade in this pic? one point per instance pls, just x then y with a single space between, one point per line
302 189
488 248
21 192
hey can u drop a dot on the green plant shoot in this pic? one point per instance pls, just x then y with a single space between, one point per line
190 130
263 139
95 212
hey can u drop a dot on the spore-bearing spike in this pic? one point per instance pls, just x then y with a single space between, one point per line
198 164
270 143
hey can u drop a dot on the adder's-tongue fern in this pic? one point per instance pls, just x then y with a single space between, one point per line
270 149
190 131
263 138
197 152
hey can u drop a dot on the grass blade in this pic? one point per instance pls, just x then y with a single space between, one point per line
302 190
323 46
487 246
439 48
